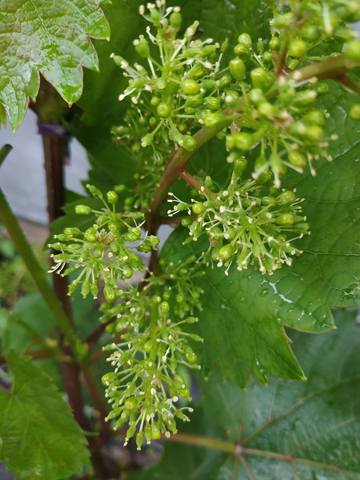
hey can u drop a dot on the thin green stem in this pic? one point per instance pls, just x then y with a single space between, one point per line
330 68
238 451
36 271
205 442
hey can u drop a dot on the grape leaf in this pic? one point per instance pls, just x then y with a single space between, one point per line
316 423
47 37
38 437
308 430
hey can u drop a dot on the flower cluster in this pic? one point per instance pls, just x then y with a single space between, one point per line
147 390
300 27
103 252
246 225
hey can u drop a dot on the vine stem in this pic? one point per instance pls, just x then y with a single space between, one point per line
36 271
237 451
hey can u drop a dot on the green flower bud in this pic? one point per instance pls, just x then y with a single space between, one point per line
261 78
240 165
176 20
226 252
297 159
285 219
212 103
315 117
244 141
142 47
355 112
245 39
237 69
155 101
352 50
314 133
287 197
306 97
297 48
82 210
274 43
190 87
163 110
198 208
112 197
90 234
266 109
189 143
213 119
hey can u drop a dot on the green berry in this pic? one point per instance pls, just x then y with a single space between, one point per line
208 85
224 81
212 103
256 96
241 50
127 273
244 141
310 32
240 165
315 117
314 133
190 87
198 208
274 43
90 234
176 20
266 109
112 197
306 97
155 101
225 253
237 69
355 112
287 197
213 119
261 78
163 110
297 159
297 48
352 50
285 219
245 39
142 47
189 143
82 210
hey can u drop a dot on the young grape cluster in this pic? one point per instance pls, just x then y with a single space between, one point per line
102 252
246 223
147 389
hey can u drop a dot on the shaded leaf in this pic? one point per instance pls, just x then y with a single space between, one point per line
38 437
316 423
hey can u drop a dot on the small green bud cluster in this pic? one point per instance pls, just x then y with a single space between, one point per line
247 224
102 252
147 390
311 23
181 289
177 77
286 127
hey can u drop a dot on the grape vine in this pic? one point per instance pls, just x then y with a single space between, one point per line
259 98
